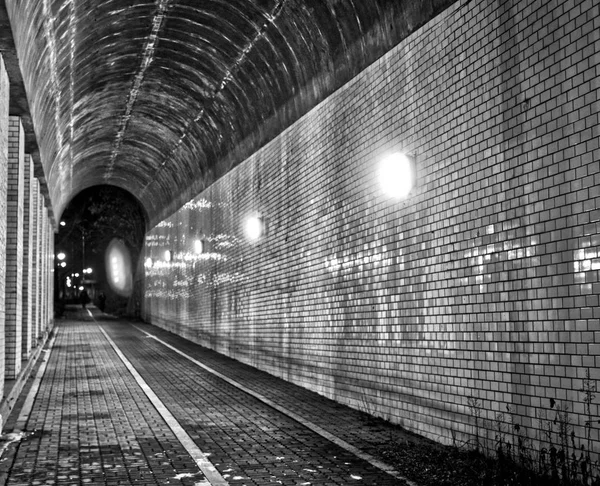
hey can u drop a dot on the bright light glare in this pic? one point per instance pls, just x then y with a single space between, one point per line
88 270
118 268
62 223
149 262
61 256
63 264
254 228
396 175
167 255
198 246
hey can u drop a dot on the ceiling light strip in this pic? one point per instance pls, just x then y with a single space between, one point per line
54 87
270 19
147 58
72 47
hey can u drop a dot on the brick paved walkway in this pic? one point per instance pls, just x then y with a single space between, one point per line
93 423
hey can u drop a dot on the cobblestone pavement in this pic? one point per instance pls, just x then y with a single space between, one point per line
92 421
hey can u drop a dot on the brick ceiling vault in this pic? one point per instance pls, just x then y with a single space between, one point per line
162 97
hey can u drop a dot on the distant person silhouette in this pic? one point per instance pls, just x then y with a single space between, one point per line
101 301
84 298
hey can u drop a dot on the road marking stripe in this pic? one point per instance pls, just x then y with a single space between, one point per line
212 475
314 427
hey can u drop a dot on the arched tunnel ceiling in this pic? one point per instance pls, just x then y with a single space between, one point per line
161 98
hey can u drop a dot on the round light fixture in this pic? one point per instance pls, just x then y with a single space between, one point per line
254 228
397 175
118 268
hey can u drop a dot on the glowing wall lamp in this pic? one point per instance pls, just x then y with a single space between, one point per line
254 228
118 268
168 255
199 246
397 175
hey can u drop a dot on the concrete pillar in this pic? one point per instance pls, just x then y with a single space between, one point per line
50 292
45 272
43 247
49 273
41 266
27 301
14 248
4 92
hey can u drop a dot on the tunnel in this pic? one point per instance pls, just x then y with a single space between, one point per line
393 204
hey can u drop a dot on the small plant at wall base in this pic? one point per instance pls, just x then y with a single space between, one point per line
549 454
587 467
475 409
554 460
559 460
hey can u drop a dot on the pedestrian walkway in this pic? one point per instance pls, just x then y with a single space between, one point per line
120 403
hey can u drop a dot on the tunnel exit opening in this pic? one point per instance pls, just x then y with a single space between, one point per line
99 241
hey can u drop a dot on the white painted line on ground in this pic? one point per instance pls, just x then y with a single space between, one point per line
212 475
314 427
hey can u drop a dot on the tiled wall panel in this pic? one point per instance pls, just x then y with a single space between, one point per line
27 280
14 248
483 284
49 304
45 285
4 93
36 261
